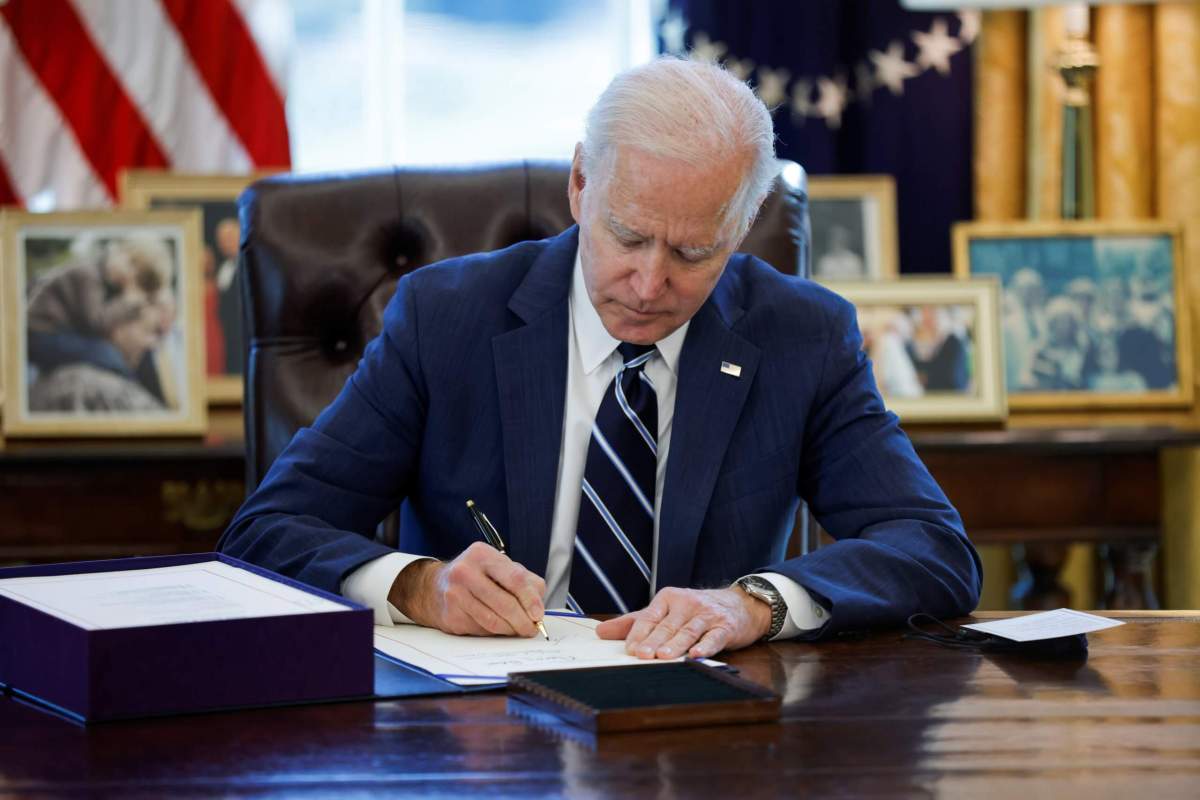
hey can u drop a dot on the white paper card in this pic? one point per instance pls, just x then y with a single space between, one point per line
476 660
210 590
1045 625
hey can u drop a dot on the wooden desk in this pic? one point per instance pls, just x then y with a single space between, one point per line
873 716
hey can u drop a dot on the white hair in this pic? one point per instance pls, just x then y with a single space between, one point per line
150 258
695 112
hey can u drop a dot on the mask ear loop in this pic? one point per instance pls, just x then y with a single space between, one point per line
962 638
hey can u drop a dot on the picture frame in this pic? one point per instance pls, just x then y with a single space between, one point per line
853 220
1094 313
216 197
102 314
934 345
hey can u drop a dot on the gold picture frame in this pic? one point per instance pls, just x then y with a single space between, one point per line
216 197
109 344
863 207
934 345
1077 336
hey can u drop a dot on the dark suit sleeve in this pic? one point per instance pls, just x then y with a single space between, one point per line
900 546
314 514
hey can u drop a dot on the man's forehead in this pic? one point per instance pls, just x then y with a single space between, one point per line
641 192
706 240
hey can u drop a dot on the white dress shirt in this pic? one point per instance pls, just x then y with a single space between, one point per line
592 362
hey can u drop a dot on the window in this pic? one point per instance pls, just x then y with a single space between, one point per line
378 82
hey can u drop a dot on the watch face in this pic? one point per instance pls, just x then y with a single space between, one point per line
760 589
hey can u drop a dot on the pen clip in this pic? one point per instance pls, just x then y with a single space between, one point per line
490 534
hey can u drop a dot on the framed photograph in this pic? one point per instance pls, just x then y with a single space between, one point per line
1093 313
216 197
853 227
102 323
934 346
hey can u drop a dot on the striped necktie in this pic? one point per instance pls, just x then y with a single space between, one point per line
614 540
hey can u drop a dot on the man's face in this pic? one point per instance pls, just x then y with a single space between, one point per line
227 235
650 239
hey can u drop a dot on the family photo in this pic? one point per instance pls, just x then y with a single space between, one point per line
853 227
103 325
222 284
933 344
839 250
920 350
215 196
1088 314
98 311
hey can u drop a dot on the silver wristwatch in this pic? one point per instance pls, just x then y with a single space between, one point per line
762 589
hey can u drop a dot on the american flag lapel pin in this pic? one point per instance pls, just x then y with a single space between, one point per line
731 369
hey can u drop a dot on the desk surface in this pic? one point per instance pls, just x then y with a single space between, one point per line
875 715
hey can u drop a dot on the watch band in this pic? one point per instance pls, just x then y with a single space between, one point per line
762 589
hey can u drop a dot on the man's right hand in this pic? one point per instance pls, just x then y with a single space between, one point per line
481 593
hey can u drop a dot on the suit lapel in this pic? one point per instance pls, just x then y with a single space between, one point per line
531 373
708 404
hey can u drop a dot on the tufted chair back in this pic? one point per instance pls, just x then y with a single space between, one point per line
321 256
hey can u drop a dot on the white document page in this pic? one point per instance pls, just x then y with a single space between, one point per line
210 590
1045 625
476 660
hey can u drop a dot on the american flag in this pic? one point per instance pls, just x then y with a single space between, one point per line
91 87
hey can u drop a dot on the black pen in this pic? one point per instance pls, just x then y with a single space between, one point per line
492 537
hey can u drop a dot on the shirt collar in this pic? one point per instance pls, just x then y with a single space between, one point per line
593 340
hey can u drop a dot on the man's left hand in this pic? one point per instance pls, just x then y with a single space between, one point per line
698 622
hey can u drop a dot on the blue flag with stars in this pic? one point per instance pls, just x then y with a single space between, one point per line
858 87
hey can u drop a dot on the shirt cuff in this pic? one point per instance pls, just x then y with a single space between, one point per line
803 613
370 584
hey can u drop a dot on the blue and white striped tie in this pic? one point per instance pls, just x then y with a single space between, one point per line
614 540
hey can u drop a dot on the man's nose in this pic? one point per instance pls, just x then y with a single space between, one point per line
649 278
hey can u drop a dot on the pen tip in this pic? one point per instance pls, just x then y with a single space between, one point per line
470 504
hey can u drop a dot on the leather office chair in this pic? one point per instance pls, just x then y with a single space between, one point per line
321 255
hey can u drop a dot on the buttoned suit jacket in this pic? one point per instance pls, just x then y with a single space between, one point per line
462 396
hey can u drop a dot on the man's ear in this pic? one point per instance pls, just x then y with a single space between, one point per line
575 184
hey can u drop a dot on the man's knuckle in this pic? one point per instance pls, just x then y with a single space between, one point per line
477 551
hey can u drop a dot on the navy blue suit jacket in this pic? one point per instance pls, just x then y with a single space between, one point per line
462 395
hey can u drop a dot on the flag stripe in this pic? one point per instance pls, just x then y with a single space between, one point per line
81 85
230 64
268 21
8 195
38 147
163 83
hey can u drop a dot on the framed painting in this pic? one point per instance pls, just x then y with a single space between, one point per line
102 324
1093 314
853 227
934 346
216 198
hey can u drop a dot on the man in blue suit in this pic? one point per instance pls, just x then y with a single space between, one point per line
638 408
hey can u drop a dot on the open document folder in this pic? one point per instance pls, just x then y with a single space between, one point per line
488 660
